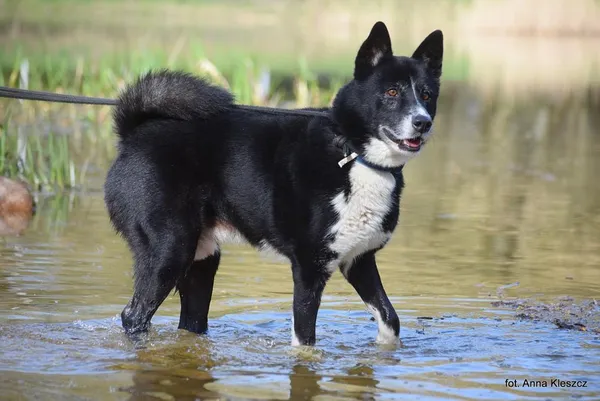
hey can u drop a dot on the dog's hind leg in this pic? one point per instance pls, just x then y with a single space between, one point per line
195 292
162 254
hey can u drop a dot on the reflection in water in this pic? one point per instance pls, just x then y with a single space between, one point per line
304 383
359 380
155 384
516 177
506 192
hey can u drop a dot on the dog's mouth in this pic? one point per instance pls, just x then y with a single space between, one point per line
410 144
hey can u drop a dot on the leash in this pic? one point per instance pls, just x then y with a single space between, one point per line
16 93
26 94
350 153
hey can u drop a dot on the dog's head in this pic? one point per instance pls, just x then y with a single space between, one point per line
387 110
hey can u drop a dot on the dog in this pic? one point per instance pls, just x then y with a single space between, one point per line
322 189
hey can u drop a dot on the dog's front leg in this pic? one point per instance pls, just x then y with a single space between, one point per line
364 277
309 282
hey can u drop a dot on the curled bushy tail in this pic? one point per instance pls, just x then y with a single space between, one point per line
171 95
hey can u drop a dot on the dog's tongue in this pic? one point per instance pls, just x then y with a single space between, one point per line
413 142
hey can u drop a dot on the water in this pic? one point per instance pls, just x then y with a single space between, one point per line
503 204
502 208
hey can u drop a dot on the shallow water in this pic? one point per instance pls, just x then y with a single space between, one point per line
503 204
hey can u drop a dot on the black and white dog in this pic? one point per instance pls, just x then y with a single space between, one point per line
195 170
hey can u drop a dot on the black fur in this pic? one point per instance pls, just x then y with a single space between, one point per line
168 95
190 164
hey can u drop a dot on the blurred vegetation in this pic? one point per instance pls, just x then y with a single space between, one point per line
277 53
42 161
47 160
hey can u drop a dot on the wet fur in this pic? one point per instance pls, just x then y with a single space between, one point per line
193 170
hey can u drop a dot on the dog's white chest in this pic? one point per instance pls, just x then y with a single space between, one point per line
361 214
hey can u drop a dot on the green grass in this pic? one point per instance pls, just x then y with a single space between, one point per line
45 162
107 75
51 160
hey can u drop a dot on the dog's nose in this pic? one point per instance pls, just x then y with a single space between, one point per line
421 123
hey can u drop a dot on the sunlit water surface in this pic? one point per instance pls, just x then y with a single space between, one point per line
504 203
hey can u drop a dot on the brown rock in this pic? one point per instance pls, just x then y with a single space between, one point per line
16 207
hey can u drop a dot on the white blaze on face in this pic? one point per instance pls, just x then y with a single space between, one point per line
419 108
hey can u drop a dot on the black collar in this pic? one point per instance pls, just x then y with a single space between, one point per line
362 160
352 154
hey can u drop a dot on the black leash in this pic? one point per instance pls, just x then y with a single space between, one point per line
26 94
16 93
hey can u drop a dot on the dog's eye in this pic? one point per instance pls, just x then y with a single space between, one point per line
392 92
425 95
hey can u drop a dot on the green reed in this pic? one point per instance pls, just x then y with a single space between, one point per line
51 160
106 76
43 161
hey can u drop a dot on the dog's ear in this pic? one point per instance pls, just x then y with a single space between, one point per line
431 51
377 46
